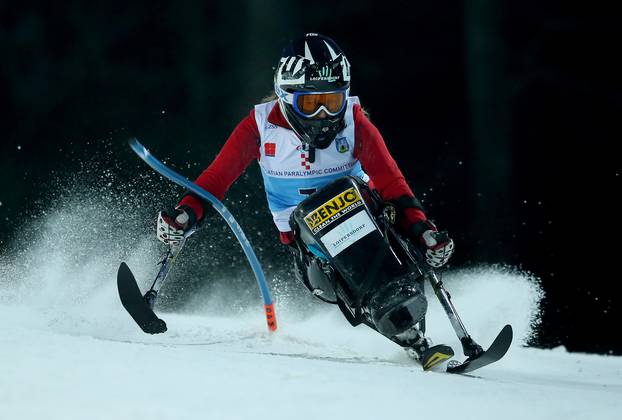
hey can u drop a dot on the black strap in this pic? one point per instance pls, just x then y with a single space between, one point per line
191 213
311 154
408 202
418 228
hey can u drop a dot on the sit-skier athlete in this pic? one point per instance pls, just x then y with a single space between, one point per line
311 134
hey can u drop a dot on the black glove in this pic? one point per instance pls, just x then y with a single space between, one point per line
171 227
438 246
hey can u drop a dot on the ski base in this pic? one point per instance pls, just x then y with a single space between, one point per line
134 303
495 352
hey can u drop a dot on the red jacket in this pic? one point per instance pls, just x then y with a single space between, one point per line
242 147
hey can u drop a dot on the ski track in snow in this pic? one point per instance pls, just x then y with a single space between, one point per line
68 350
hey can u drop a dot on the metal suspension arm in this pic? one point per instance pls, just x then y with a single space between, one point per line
469 346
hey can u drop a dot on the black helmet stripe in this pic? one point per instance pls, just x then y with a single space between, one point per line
331 51
298 65
308 54
288 67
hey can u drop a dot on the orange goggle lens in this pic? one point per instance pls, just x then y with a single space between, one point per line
309 104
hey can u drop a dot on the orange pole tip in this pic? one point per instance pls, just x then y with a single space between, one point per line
270 316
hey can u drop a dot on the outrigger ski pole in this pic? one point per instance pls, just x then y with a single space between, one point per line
167 263
140 307
477 357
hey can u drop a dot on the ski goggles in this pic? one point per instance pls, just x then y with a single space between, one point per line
309 105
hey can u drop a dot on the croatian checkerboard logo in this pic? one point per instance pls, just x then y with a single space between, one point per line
270 149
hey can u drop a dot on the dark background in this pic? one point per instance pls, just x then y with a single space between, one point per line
503 117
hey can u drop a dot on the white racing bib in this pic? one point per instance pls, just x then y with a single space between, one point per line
288 175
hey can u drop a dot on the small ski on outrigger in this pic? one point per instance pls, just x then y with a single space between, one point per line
482 358
477 357
135 304
139 306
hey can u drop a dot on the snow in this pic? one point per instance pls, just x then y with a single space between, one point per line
69 351
232 369
88 360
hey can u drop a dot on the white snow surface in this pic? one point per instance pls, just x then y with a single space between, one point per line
68 350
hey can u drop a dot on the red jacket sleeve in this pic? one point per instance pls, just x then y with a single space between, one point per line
240 149
372 152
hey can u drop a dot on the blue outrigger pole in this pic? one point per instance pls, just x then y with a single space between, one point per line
178 179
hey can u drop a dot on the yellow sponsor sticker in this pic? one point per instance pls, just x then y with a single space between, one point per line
435 360
333 209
